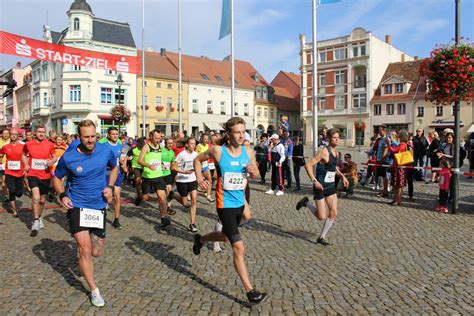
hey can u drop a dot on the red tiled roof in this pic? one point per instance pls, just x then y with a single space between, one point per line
158 66
248 70
294 77
287 91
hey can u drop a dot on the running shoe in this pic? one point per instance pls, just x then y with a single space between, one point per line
189 197
279 193
192 228
41 225
138 201
97 299
217 247
197 244
256 297
323 242
14 212
444 209
170 212
35 227
270 192
210 199
301 203
116 224
165 221
437 208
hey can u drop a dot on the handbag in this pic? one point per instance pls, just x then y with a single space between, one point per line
404 158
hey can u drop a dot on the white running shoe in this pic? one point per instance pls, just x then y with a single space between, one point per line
217 247
189 197
97 299
270 192
169 204
279 193
41 225
35 227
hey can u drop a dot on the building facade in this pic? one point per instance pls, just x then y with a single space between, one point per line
24 97
349 70
287 87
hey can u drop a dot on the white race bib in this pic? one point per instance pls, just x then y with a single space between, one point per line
212 166
156 163
205 164
188 165
39 164
330 176
166 165
91 218
234 181
2 166
14 165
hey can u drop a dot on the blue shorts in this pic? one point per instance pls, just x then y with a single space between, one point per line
118 182
205 169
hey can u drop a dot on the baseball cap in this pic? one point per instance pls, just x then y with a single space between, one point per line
275 136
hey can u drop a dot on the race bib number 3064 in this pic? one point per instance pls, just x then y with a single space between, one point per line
91 218
39 164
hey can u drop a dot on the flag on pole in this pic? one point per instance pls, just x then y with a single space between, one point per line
328 1
225 19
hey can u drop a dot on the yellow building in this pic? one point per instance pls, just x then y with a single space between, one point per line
161 95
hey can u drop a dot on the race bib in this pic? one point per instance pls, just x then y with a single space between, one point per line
156 163
188 165
166 165
2 166
330 177
205 164
39 164
14 165
91 218
212 166
234 181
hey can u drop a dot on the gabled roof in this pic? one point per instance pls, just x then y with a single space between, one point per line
248 70
396 78
158 66
112 32
287 91
293 77
405 71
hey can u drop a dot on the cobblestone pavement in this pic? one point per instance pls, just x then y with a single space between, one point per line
385 260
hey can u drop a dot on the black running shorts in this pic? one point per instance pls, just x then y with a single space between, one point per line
184 188
230 219
73 218
153 185
321 194
15 186
43 185
169 179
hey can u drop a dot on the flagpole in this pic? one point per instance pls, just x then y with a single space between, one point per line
143 72
232 89
315 81
180 87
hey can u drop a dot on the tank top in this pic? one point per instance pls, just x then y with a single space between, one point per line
202 148
231 179
135 155
167 157
326 173
153 157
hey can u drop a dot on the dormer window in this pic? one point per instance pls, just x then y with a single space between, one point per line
257 78
399 88
76 24
388 89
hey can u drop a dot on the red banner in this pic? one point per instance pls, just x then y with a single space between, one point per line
12 44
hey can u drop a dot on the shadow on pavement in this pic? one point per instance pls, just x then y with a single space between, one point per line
61 255
275 229
162 253
57 216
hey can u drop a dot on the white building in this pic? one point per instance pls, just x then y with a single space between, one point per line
77 93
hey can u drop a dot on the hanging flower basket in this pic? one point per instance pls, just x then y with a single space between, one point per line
172 109
146 107
449 74
159 108
359 125
121 114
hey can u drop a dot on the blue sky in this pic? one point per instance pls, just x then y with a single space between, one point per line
266 31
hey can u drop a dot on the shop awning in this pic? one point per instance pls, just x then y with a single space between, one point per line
471 129
104 116
213 126
444 124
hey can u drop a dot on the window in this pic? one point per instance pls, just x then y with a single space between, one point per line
362 50
421 111
209 107
53 96
259 111
259 92
36 101
36 75
45 99
340 102
322 103
264 93
322 80
342 130
76 68
340 54
355 51
453 110
145 97
120 97
390 109
402 108
74 93
218 78
44 72
388 89
272 113
322 57
265 112
158 101
339 77
195 106
146 83
236 108
169 104
204 76
439 110
158 84
53 71
106 95
360 100
76 24
170 86
377 109
399 88
110 72
209 90
222 107
246 109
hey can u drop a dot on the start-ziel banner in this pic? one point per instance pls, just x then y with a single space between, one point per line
18 45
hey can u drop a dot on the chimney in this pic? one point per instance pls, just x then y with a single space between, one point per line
388 39
403 58
163 51
415 58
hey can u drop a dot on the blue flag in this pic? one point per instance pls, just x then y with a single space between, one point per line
225 19
328 1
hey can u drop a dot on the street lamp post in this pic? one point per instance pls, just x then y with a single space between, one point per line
119 81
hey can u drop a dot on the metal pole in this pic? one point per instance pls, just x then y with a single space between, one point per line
143 71
180 87
120 103
315 81
232 87
360 122
457 131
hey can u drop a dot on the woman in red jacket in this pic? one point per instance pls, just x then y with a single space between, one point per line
398 180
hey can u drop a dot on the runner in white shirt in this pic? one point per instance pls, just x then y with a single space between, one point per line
186 180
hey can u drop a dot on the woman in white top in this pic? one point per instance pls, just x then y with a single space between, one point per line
186 179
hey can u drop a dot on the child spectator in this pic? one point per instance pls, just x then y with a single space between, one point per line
444 181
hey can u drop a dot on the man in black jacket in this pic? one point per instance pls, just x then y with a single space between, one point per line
420 147
261 152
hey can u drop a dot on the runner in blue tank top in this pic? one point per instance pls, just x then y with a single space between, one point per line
233 162
324 190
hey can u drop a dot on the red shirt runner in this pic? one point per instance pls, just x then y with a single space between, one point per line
14 165
39 154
